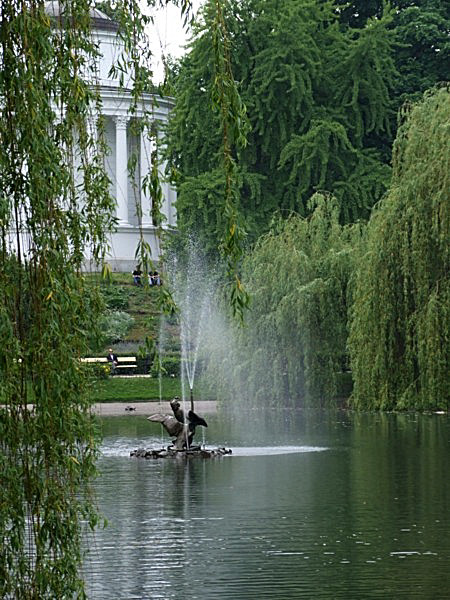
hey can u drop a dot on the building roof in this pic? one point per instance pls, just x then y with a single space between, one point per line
99 19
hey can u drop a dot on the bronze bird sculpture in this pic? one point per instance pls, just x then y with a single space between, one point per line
183 429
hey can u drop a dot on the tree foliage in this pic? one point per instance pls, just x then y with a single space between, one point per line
322 82
400 328
54 204
293 348
422 28
319 100
54 210
233 123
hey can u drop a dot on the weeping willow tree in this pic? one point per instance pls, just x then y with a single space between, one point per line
293 349
400 328
54 204
54 210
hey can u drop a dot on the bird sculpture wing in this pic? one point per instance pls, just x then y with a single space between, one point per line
196 420
170 424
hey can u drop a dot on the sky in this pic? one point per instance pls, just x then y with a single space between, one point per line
168 36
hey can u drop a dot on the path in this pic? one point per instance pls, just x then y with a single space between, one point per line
115 409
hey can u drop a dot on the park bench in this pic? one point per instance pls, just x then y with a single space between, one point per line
124 362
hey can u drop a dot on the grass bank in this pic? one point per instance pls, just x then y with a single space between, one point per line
117 389
143 305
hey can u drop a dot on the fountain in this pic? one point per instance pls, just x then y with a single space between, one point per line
182 428
193 296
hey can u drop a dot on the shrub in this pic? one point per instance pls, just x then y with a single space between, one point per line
99 370
170 365
114 297
114 325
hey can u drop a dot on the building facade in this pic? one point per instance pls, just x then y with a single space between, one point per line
133 205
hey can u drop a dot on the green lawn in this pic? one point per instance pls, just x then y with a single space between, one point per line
116 389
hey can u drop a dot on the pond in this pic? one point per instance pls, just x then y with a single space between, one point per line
326 504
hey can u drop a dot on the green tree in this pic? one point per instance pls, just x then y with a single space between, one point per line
400 327
293 348
422 28
318 98
54 208
54 204
422 60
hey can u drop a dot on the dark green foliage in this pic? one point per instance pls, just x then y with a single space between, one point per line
422 28
318 98
400 328
322 83
205 218
54 205
115 297
99 370
169 366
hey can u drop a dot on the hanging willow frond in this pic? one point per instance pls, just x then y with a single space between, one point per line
55 205
234 124
400 328
299 278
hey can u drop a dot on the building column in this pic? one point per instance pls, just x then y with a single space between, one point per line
165 208
146 165
172 220
121 170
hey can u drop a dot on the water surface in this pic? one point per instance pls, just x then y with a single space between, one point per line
310 505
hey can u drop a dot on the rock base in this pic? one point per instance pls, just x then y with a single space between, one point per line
171 452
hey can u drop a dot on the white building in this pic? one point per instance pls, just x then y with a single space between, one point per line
123 143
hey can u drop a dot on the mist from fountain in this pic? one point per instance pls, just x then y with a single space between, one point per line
211 365
215 361
193 323
193 284
160 349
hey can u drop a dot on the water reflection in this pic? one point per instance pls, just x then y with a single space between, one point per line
364 519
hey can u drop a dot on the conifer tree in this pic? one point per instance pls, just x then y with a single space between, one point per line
322 83
317 97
